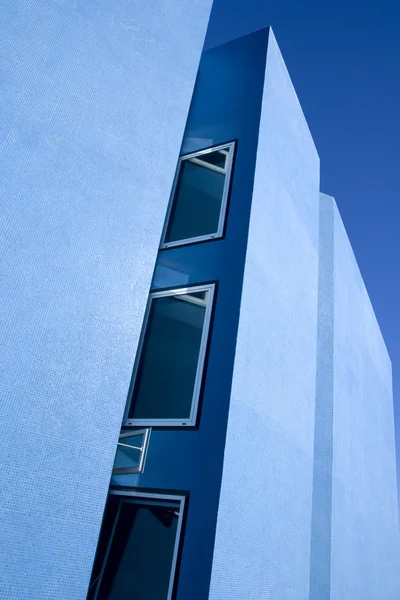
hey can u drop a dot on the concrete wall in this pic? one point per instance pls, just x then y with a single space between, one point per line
94 99
262 547
365 537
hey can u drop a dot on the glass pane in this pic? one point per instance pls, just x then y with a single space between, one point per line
168 363
106 533
198 197
130 451
139 561
217 158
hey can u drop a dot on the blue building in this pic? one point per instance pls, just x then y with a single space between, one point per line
196 396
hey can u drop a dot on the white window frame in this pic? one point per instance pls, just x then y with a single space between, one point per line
196 158
124 441
191 420
145 496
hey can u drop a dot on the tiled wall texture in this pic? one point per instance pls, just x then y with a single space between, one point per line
365 538
308 504
94 97
93 105
266 497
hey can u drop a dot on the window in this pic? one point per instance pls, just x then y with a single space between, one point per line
199 197
131 451
169 367
138 547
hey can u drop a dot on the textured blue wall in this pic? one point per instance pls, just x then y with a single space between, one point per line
320 557
229 85
365 537
94 98
262 547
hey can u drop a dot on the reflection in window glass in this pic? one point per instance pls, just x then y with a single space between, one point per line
172 353
200 195
135 557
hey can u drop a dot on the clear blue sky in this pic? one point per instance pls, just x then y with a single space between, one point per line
344 61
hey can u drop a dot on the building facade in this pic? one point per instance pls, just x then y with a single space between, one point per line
198 399
90 130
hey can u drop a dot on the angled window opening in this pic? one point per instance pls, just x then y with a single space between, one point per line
169 367
131 452
138 547
199 198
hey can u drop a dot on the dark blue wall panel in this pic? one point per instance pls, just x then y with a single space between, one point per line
229 85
